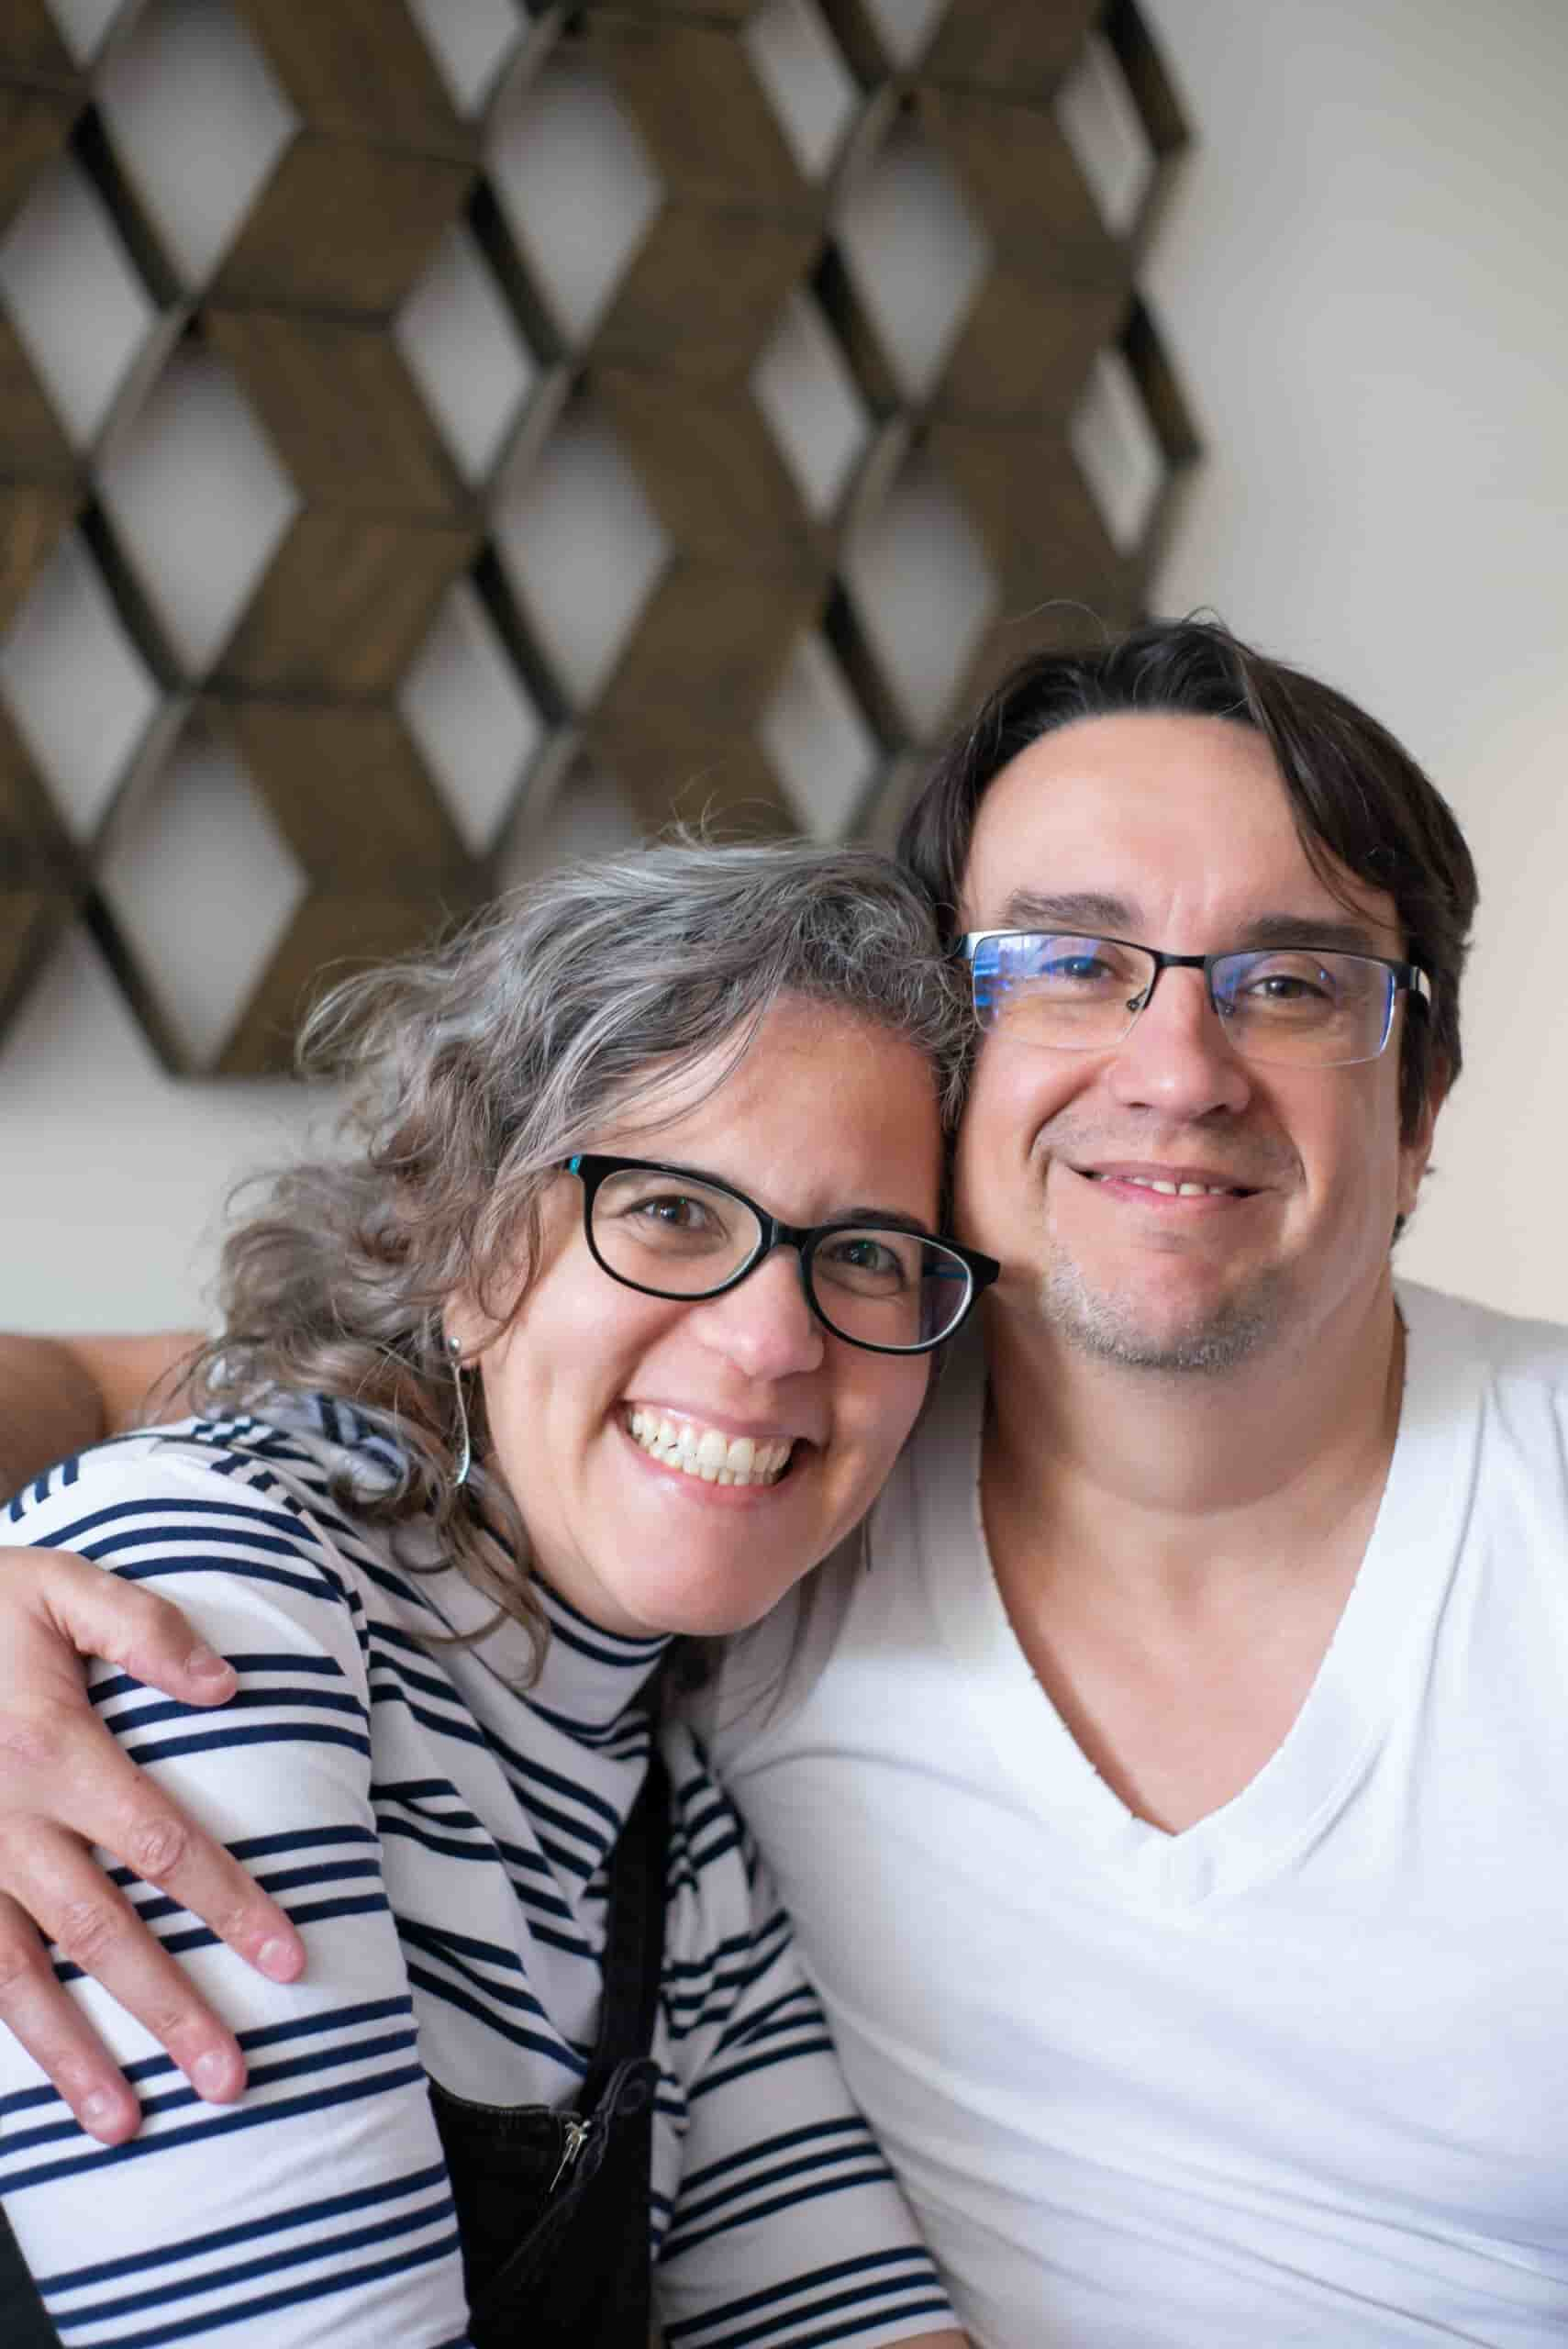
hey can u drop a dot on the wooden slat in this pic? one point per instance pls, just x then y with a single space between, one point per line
31 49
341 226
32 522
349 793
33 446
666 13
1021 177
688 691
711 469
710 130
345 604
1041 527
1024 353
342 412
703 293
43 880
360 68
34 127
339 928
1016 49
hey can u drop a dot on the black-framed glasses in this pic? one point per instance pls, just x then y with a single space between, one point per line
672 1231
1304 1007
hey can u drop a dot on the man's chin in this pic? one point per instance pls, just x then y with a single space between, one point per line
1187 1338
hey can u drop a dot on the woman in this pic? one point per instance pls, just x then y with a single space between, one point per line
609 1329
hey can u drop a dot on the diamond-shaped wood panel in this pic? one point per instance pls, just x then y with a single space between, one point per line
645 407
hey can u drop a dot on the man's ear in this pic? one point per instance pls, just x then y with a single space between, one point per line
1416 1151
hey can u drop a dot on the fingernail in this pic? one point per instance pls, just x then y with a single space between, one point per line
202 1663
210 2075
279 1959
100 2111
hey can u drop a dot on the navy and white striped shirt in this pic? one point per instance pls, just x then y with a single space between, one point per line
440 1840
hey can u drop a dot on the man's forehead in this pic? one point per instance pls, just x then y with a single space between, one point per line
1113 824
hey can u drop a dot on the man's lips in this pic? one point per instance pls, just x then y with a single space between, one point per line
1169 1186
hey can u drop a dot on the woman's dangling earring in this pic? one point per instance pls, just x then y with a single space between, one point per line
465 1447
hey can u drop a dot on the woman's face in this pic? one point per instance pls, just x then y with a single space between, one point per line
826 1115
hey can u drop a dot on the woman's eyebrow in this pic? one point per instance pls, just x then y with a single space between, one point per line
857 1213
893 1219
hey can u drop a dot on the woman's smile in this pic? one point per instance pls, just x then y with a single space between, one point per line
696 1449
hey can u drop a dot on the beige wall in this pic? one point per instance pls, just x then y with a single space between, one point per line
1361 278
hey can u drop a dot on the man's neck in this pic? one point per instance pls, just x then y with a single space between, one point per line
1174 1551
1165 1473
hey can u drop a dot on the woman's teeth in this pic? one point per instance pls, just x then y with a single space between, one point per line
702 1452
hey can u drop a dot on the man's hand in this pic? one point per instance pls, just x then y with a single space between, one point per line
64 1785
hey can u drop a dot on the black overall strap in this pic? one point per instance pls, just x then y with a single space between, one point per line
581 2275
23 2324
634 1934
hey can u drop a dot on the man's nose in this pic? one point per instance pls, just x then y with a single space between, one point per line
765 1325
1177 1058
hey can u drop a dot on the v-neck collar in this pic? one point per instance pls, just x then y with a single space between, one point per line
1386 1624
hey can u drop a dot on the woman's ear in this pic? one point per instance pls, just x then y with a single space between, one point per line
465 1332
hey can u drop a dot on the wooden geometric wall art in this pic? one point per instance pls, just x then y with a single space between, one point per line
432 431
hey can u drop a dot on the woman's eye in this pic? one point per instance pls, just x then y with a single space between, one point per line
673 1212
862 1261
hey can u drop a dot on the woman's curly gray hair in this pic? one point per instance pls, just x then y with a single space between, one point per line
474 1071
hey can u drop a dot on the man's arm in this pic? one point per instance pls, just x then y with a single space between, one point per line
58 1394
64 1782
333 2176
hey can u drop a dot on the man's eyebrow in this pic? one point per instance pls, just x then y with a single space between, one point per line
1085 910
1310 929
1089 912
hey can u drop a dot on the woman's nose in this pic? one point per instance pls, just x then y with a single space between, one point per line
765 1325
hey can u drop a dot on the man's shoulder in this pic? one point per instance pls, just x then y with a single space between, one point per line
1507 1347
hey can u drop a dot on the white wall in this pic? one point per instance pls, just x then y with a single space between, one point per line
1362 280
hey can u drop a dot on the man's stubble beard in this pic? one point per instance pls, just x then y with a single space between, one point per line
1108 1328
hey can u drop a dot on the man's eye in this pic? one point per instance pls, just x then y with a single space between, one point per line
1297 985
1285 986
1076 967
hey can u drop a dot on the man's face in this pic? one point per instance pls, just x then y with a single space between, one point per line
1175 832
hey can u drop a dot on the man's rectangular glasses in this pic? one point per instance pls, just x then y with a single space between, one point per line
1309 1006
670 1231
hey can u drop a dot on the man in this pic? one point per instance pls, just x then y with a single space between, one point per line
1172 1807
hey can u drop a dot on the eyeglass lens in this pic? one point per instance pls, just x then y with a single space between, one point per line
873 1283
1282 1005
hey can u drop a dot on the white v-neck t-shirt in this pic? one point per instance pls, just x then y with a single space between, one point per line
1297 2074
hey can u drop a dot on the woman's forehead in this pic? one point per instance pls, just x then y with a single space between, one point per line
818 1102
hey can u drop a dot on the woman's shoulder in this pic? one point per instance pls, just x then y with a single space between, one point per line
248 1484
